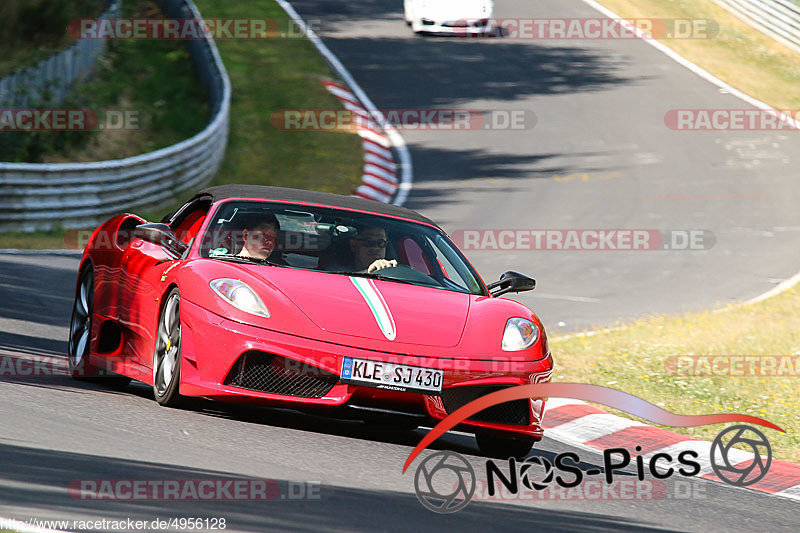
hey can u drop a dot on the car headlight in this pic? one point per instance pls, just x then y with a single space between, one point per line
519 334
240 295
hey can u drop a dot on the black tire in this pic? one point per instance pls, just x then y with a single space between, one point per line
167 353
80 331
503 447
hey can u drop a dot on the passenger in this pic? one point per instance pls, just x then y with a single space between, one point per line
260 235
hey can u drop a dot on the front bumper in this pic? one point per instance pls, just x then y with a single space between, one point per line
462 28
216 349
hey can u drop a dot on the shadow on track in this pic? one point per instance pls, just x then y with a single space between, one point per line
40 479
439 71
20 343
458 167
402 71
37 293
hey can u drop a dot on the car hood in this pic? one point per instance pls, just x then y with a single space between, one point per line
451 10
373 309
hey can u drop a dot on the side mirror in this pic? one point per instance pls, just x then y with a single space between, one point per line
512 282
161 235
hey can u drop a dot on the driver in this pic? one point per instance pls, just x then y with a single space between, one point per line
368 250
260 234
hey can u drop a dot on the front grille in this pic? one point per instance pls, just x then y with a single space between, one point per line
264 372
516 412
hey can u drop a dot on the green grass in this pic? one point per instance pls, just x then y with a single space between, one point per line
43 240
635 359
745 58
270 75
154 79
33 30
267 75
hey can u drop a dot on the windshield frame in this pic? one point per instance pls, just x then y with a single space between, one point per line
216 210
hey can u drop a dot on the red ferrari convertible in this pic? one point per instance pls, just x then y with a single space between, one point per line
308 300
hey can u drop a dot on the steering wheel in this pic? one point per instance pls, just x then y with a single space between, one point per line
406 273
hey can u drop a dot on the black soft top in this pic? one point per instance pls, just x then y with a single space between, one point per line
283 194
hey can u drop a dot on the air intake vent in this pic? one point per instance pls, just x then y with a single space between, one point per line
516 412
264 372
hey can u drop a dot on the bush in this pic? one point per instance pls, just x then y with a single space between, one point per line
42 21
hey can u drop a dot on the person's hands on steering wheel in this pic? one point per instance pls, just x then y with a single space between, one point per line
379 264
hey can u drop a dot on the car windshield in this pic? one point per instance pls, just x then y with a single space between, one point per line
337 241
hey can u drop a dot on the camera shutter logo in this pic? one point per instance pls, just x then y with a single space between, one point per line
453 471
546 480
744 474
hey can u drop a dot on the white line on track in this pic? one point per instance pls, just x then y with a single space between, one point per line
550 296
576 429
406 168
786 284
689 65
68 253
594 426
567 437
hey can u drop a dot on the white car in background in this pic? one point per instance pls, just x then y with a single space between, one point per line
449 16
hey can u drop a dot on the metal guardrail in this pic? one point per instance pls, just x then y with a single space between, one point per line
54 76
74 195
780 19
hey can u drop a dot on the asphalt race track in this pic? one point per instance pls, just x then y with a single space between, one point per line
57 431
600 108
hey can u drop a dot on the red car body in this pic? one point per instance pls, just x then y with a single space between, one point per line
316 318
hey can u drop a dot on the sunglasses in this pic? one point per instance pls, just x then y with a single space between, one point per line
374 243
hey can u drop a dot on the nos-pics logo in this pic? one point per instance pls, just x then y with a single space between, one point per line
445 481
